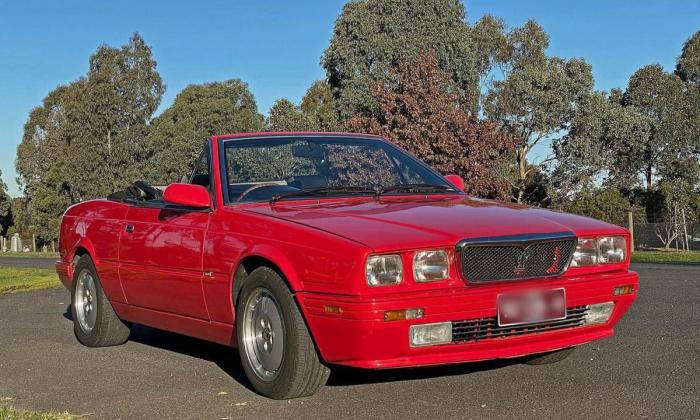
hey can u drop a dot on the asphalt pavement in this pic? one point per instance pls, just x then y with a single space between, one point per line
650 369
28 262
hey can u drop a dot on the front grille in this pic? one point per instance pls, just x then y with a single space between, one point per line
487 328
516 257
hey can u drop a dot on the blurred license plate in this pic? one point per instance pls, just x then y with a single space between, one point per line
530 307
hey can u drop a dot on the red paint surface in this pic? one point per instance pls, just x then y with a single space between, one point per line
175 269
187 195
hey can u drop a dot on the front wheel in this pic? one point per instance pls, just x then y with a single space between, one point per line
277 352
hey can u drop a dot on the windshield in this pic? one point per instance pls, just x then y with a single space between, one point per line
311 167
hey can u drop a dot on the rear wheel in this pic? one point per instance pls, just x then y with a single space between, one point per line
548 358
276 350
94 321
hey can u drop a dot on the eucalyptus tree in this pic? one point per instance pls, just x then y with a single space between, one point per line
537 97
82 142
176 136
371 37
5 207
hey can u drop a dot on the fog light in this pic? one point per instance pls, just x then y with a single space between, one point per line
403 314
430 334
598 313
624 290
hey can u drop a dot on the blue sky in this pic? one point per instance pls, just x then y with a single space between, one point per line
275 46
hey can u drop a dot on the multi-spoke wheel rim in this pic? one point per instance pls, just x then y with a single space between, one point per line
263 334
86 301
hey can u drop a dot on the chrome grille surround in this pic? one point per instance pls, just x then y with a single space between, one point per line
516 257
487 328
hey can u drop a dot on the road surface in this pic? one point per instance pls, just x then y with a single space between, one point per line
650 369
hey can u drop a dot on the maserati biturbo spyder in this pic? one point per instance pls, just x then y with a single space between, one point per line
309 250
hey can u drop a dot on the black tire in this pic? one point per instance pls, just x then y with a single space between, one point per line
301 372
108 329
552 357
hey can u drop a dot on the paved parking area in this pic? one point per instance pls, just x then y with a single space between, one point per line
650 369
28 262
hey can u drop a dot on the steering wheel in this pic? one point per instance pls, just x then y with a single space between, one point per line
255 187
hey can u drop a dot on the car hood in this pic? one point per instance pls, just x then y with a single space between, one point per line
395 223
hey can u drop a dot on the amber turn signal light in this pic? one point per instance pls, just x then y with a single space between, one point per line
402 314
624 290
333 309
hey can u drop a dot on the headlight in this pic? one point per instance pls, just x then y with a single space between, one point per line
586 253
431 266
601 250
383 270
612 249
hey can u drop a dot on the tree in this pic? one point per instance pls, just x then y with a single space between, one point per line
5 208
315 113
121 92
688 64
640 141
422 111
660 97
177 136
319 106
285 116
604 144
83 141
688 69
371 36
538 96
601 203
492 47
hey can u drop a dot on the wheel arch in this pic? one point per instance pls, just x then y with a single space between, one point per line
84 247
283 268
263 257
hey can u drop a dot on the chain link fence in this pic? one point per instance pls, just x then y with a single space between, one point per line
673 231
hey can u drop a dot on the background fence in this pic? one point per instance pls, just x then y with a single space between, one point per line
671 232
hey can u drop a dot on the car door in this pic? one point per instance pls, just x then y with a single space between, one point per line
160 254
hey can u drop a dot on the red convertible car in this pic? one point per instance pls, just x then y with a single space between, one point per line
308 250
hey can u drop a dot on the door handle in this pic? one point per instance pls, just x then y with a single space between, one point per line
129 228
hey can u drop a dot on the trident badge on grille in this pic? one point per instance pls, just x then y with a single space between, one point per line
520 269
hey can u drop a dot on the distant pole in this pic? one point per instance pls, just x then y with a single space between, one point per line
33 242
685 230
675 222
630 226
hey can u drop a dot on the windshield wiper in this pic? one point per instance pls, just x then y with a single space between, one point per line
415 188
321 191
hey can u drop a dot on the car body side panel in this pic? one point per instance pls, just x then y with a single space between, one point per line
161 260
309 259
217 332
95 226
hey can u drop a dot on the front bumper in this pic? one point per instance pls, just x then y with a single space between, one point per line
63 269
358 336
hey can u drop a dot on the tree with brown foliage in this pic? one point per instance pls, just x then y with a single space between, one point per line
422 110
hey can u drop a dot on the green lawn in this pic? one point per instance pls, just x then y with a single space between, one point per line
670 257
23 279
9 413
